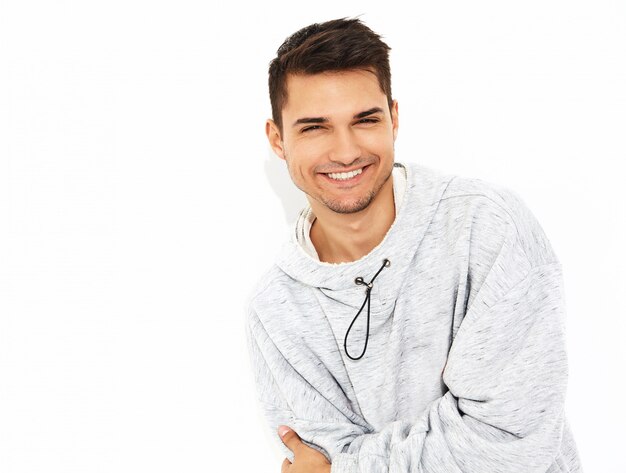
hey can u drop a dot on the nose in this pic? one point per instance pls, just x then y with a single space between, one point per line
345 148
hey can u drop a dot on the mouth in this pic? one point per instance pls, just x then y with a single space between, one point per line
346 178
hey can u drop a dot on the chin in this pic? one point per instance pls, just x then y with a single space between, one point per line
349 206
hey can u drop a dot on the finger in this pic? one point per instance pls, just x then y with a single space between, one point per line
285 466
290 438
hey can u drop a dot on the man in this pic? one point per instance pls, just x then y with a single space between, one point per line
414 321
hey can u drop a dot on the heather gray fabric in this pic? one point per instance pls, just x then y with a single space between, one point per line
465 368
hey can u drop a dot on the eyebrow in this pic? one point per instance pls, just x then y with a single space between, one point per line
371 111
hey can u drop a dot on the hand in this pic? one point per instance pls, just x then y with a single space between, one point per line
306 459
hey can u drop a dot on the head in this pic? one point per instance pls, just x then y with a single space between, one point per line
332 112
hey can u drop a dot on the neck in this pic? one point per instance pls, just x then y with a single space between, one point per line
342 238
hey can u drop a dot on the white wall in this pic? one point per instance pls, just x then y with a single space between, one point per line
140 202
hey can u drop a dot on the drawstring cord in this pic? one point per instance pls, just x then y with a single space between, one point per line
368 291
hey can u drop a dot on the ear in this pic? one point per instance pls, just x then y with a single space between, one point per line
394 118
274 138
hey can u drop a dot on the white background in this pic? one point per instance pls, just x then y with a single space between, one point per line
140 202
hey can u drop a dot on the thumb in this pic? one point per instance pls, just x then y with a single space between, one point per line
289 437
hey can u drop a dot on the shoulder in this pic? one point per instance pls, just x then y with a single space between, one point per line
267 286
498 197
499 212
272 294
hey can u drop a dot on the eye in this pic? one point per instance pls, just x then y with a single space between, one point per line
369 120
314 127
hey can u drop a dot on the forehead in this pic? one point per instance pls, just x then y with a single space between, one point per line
331 93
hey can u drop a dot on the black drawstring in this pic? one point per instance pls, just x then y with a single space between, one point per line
368 291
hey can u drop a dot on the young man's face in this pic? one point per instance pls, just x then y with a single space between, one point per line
337 122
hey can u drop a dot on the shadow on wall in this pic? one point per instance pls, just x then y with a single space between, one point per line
292 198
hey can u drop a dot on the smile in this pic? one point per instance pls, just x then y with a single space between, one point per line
343 176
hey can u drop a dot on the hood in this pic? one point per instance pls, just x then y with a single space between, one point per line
352 284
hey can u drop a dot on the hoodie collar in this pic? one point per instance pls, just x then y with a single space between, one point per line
424 189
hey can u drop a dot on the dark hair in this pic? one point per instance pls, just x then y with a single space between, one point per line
335 45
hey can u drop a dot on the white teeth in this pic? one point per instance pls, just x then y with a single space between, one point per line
342 176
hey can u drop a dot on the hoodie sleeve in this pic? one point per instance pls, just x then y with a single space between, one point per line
506 375
287 398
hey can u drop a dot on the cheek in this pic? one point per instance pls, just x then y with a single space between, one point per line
379 143
308 151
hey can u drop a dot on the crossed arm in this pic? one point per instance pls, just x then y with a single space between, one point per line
506 376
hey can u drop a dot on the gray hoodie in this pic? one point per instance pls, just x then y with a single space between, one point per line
442 350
